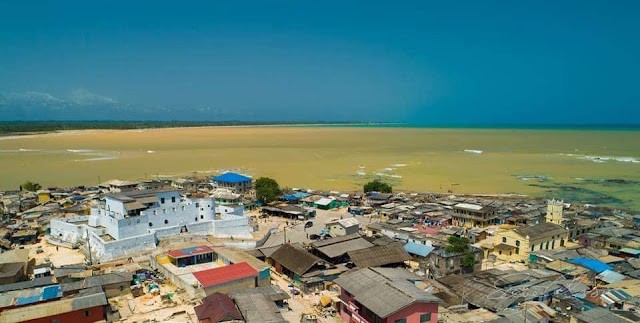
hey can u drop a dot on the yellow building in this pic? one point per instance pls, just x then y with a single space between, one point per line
516 244
44 196
554 212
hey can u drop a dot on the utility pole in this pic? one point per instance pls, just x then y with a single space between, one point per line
285 234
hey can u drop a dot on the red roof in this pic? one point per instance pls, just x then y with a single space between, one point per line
217 307
187 252
225 274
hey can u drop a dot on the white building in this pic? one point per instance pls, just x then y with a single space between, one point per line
133 221
343 227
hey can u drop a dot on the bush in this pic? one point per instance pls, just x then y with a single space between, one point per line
377 186
31 186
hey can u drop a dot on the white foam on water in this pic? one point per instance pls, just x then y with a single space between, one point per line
604 159
473 151
96 159
81 151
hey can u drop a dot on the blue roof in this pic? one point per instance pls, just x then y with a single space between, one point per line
231 178
594 265
28 300
51 292
295 196
418 249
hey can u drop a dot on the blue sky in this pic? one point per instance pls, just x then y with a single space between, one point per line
433 62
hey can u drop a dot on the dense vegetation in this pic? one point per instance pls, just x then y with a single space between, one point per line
267 190
31 186
460 245
377 186
8 127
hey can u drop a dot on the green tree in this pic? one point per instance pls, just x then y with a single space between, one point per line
457 245
267 189
31 186
468 261
377 186
461 245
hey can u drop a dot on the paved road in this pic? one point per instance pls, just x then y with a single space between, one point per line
296 233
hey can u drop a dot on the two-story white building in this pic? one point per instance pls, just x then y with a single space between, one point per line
129 222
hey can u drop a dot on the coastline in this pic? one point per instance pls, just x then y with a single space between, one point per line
578 164
69 126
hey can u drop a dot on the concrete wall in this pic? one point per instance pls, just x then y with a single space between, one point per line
166 232
105 251
201 228
65 231
237 227
192 291
230 209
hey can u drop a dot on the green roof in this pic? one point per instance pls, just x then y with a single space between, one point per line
630 251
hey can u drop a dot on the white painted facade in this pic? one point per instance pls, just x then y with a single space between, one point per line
130 222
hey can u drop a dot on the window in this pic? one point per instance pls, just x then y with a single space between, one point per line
547 245
196 219
201 216
401 321
164 211
500 252
87 313
504 240
532 246
174 210
517 251
150 224
173 199
183 208
197 204
155 212
162 200
425 318
166 221
517 243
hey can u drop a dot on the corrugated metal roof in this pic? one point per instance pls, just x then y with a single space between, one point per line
379 255
51 292
610 276
418 249
382 295
231 178
215 276
295 258
594 265
192 251
341 246
217 306
28 300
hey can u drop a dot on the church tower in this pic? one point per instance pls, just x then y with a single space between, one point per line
554 211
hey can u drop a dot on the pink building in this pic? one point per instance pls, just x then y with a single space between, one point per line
385 295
